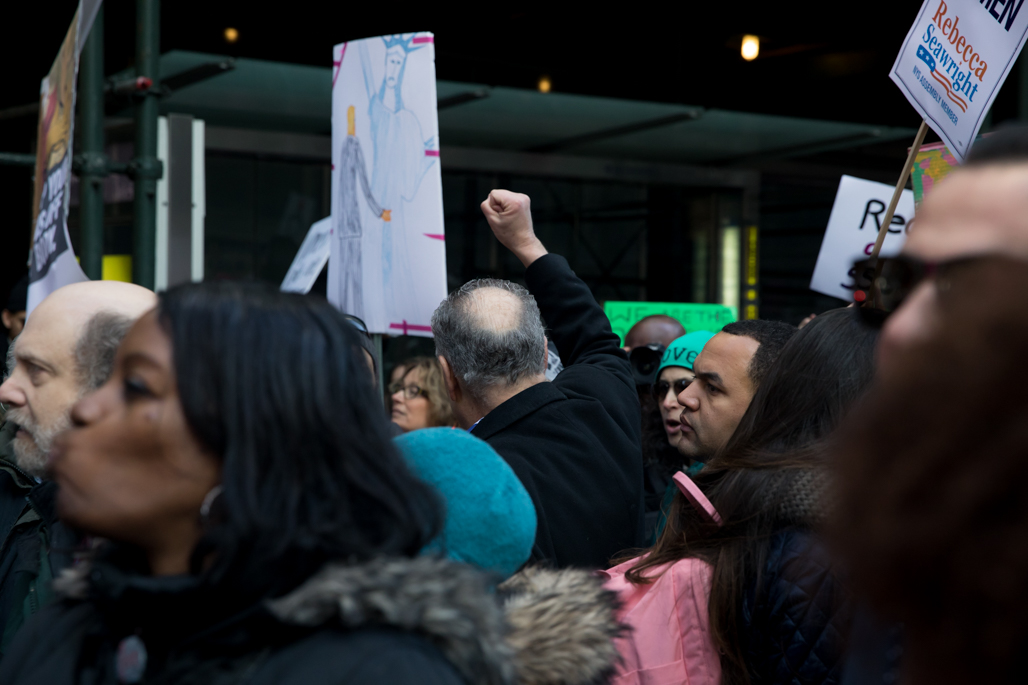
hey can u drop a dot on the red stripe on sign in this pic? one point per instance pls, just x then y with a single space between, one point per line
404 326
422 39
431 153
338 65
946 84
437 236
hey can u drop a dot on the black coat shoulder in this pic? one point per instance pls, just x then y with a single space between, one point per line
327 656
363 657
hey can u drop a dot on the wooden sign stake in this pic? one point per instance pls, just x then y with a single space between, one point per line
887 219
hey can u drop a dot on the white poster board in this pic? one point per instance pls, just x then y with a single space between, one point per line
954 60
852 230
310 259
388 256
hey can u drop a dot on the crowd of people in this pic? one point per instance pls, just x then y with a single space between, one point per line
201 486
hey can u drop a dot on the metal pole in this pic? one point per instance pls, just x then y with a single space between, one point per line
91 101
146 166
380 362
1022 95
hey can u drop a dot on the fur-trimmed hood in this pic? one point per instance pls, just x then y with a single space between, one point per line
540 626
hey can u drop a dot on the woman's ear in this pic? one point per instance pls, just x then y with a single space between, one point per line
453 388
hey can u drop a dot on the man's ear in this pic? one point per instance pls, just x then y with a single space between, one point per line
450 378
7 318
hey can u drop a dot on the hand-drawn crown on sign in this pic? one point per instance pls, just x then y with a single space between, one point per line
399 41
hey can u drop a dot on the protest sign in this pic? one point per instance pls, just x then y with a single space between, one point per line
52 262
933 163
855 222
694 317
310 259
388 259
954 60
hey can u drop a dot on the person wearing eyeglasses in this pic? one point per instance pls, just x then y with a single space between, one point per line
418 399
975 216
673 376
978 210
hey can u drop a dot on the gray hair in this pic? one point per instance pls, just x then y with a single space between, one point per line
9 362
481 357
96 347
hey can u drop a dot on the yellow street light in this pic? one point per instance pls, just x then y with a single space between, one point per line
750 48
231 35
544 84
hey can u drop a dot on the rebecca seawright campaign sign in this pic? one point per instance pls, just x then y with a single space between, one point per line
954 60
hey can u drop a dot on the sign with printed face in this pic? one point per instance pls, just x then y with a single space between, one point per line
52 263
852 230
954 60
310 259
693 317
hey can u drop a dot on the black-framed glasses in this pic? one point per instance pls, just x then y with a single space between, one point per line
880 286
660 388
409 391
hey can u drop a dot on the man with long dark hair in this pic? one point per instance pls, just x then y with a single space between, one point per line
728 372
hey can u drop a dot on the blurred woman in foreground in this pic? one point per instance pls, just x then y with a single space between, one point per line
933 485
739 589
262 525
419 398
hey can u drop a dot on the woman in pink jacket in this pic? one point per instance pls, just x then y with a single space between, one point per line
739 589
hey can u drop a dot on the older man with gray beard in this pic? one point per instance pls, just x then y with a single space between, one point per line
65 351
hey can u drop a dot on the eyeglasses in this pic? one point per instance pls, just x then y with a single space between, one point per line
894 278
660 388
409 391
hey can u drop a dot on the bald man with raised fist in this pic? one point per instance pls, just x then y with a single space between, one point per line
574 442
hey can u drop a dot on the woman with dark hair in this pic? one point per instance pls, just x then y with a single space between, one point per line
262 527
932 514
738 589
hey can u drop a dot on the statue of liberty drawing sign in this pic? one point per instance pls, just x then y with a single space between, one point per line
348 233
401 245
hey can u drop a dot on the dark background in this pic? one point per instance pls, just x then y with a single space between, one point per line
817 59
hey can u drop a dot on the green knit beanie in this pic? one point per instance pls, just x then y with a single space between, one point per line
682 351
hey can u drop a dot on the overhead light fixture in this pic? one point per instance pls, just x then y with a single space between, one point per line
750 48
231 35
544 84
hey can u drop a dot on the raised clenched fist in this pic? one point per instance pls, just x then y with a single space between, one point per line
510 216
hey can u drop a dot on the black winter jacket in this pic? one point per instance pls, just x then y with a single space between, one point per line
34 545
391 620
796 615
575 442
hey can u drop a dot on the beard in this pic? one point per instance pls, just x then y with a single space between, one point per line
31 451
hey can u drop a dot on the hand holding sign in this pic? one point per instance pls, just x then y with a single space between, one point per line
856 221
510 216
